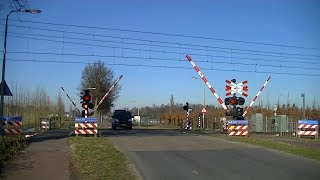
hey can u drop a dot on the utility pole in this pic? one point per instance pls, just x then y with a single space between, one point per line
204 105
32 11
303 105
204 101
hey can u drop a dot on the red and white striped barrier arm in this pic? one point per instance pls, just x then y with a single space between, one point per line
255 98
207 83
114 84
71 101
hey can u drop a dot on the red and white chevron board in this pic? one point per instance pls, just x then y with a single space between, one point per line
12 131
45 127
13 123
238 133
242 127
308 133
308 126
239 127
86 125
86 131
195 67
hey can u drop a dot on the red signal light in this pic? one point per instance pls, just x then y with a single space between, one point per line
86 98
232 101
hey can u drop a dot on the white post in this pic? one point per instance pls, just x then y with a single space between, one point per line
202 120
266 123
204 104
139 118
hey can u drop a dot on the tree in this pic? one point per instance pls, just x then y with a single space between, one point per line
171 103
99 76
60 106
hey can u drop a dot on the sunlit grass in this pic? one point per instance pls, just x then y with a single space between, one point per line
97 158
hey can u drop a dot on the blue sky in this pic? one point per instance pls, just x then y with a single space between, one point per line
287 22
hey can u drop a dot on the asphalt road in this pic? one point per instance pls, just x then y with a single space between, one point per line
171 154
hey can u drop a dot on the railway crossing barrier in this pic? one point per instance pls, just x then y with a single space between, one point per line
45 124
86 126
307 128
12 125
238 128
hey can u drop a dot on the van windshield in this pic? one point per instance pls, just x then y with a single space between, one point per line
122 114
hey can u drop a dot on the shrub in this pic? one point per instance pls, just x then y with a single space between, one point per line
10 146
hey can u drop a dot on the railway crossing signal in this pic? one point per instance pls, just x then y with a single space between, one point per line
86 100
86 103
235 103
188 122
232 88
186 107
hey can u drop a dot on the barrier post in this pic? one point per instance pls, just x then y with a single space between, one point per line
45 124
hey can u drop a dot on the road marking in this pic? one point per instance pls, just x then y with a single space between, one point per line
195 172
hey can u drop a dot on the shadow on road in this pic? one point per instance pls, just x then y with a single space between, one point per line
50 135
151 132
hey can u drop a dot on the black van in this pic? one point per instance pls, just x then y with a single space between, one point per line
121 118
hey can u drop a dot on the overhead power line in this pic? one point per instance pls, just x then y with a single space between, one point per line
163 66
169 34
163 47
158 51
234 50
164 59
208 48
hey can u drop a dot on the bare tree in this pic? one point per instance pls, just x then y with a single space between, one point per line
31 105
60 105
101 77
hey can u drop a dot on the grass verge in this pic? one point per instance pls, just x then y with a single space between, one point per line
278 145
97 158
10 147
